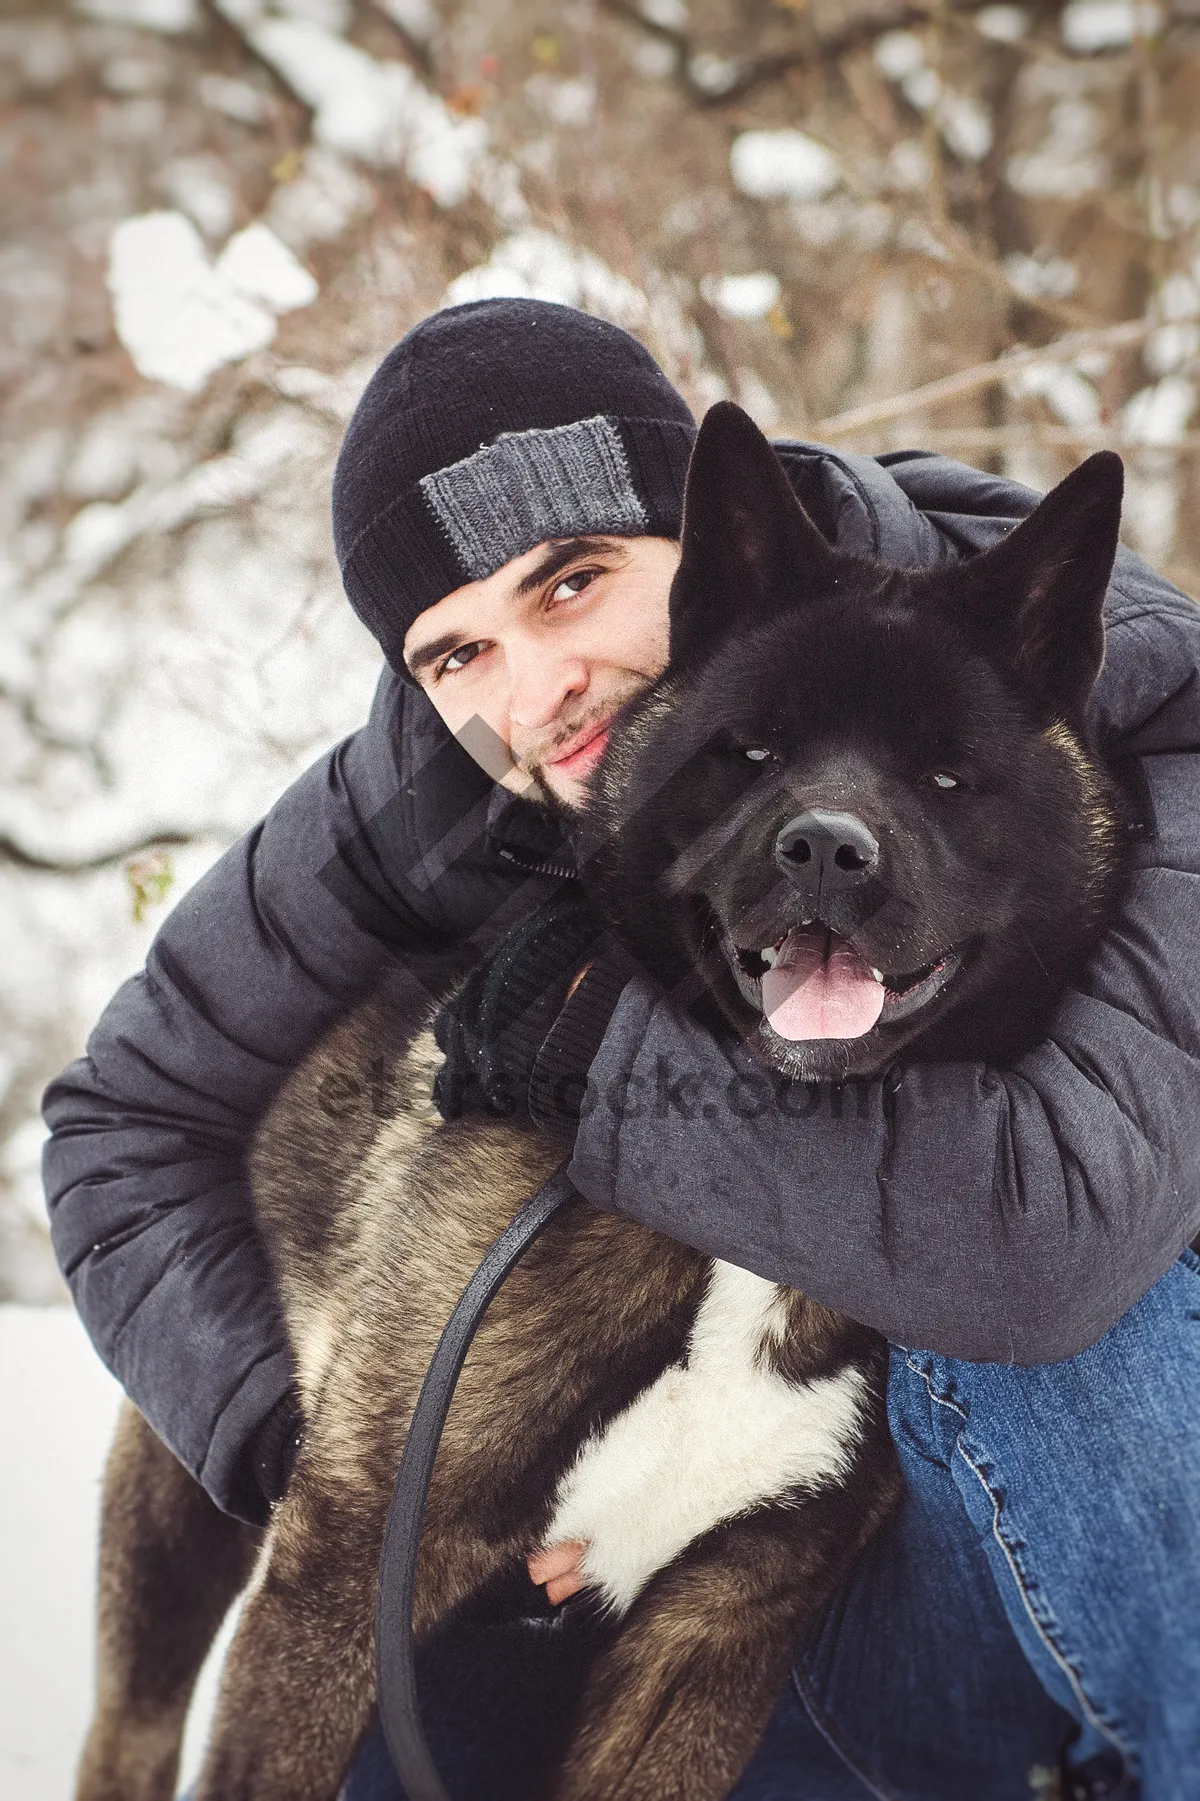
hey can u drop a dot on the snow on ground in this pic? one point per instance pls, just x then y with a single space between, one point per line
57 1409
58 1406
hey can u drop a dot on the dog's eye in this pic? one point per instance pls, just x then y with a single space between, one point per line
941 778
728 743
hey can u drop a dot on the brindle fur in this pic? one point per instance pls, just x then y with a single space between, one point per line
369 1273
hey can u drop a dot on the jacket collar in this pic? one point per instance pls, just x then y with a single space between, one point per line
526 834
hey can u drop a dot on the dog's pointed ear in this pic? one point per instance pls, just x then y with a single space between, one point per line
747 541
1033 602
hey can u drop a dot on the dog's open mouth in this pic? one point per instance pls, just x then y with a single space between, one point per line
813 983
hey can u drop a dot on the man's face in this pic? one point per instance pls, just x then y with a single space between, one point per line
544 652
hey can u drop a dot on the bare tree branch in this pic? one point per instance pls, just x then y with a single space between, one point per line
982 375
983 440
420 50
813 51
92 752
17 854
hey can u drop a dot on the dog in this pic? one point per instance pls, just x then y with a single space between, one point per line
858 821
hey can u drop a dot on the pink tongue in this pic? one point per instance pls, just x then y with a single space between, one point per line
806 997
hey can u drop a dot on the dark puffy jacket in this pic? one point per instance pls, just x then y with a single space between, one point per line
986 1214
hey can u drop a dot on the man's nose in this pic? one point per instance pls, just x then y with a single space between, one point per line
539 686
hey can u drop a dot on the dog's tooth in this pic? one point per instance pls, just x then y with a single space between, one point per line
769 954
876 974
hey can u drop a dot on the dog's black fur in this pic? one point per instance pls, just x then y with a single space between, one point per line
939 719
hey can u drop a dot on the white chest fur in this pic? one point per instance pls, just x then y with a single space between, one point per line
707 1441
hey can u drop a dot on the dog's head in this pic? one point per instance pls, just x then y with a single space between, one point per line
859 811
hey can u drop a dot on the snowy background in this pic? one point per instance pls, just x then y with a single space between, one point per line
58 1407
970 227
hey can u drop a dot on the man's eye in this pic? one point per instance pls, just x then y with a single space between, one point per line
458 659
574 583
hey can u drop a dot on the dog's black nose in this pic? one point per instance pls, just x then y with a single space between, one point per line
825 853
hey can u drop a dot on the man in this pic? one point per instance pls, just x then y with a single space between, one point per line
506 509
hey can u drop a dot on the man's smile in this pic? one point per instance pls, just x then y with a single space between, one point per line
582 755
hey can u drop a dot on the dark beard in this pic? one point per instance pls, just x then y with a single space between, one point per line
568 816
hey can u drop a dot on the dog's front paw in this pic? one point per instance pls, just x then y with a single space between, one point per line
712 1438
623 1502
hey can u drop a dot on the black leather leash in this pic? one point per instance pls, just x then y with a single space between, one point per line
395 1673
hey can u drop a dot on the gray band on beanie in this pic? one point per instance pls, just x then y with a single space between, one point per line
562 482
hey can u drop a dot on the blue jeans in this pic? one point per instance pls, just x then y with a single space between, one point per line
1037 1594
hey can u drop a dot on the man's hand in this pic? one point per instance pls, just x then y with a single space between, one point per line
559 1569
521 1032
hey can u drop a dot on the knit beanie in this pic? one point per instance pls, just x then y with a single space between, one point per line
490 428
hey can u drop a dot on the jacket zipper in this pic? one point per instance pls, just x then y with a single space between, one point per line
561 872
